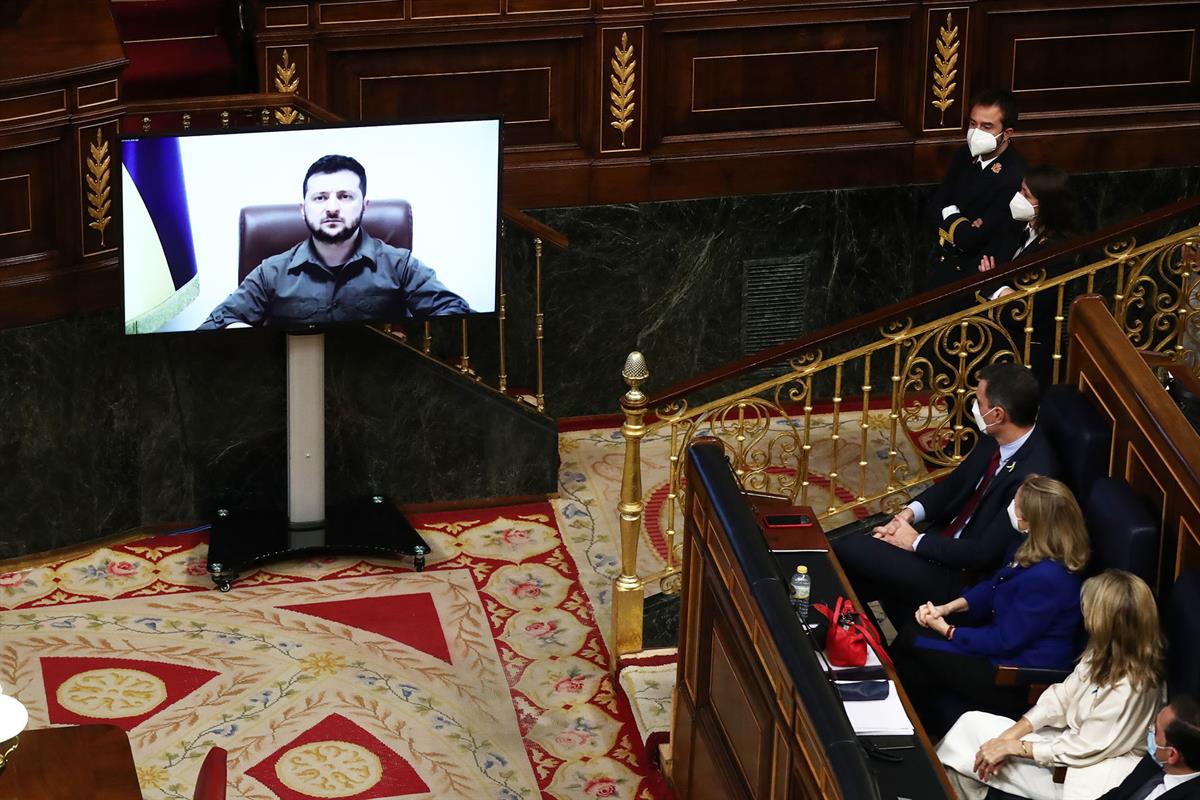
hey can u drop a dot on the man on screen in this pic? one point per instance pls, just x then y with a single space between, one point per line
340 273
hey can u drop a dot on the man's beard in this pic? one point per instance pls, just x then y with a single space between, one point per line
345 234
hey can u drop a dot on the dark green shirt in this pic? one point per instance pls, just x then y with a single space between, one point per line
295 289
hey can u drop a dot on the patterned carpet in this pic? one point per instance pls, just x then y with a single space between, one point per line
590 488
337 678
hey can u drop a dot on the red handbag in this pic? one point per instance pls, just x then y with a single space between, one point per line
849 636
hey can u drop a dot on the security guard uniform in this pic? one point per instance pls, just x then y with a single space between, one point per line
982 189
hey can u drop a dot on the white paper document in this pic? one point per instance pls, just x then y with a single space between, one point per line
879 717
872 661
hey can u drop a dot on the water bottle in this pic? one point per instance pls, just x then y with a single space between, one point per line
801 586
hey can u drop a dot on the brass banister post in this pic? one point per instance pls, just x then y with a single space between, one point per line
538 321
628 590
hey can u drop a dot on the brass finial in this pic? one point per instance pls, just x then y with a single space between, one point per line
635 370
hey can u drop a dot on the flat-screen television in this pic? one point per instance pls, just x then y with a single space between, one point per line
310 227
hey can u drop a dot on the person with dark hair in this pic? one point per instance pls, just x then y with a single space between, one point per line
966 523
970 207
340 273
1043 212
1172 763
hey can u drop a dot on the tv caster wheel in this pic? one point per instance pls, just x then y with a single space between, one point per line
222 579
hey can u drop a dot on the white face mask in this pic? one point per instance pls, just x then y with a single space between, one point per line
981 142
1012 514
980 422
1021 209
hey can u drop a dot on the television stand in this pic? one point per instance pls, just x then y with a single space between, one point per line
242 539
372 526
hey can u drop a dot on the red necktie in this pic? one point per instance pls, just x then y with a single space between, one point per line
973 501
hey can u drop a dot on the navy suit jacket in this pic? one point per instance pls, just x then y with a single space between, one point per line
988 534
1024 616
1145 769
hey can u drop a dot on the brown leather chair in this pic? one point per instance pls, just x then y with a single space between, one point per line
264 231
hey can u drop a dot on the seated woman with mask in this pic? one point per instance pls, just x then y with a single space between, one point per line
1044 212
1026 614
1093 723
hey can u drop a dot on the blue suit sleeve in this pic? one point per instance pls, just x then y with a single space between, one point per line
1018 626
979 599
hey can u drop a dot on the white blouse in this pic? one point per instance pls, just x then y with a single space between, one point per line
1098 722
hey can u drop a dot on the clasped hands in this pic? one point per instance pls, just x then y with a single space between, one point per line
933 617
993 753
898 531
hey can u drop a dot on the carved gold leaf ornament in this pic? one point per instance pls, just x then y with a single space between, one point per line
99 191
623 76
286 82
945 61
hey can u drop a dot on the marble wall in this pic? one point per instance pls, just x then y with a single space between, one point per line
666 278
102 432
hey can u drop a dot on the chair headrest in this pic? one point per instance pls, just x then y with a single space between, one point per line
1183 646
267 230
1124 535
1078 435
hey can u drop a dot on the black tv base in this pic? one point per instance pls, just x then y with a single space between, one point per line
241 540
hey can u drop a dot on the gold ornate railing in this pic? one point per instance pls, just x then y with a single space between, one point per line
928 369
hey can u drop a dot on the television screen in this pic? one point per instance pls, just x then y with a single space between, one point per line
303 228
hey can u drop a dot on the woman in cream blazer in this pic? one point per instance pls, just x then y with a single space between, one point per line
1094 723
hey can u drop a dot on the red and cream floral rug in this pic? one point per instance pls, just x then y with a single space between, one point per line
592 461
483 677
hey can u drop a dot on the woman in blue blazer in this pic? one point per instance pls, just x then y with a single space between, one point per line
1026 614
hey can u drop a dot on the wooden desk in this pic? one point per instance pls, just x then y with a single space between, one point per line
92 761
755 716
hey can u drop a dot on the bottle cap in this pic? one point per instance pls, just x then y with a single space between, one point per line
803 570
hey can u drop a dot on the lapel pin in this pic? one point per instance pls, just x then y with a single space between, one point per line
1010 466
996 168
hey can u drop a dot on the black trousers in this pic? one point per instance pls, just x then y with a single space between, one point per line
899 579
943 686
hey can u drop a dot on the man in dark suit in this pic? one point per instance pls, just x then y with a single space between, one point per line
1171 770
970 207
967 512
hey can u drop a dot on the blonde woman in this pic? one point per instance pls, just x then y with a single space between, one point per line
1094 723
1026 614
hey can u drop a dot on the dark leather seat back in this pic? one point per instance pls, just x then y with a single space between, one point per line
1078 434
1183 645
1124 534
264 231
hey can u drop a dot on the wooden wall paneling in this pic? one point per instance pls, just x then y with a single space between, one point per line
782 72
531 80
683 743
738 709
944 88
373 12
1187 553
1071 67
28 201
289 17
